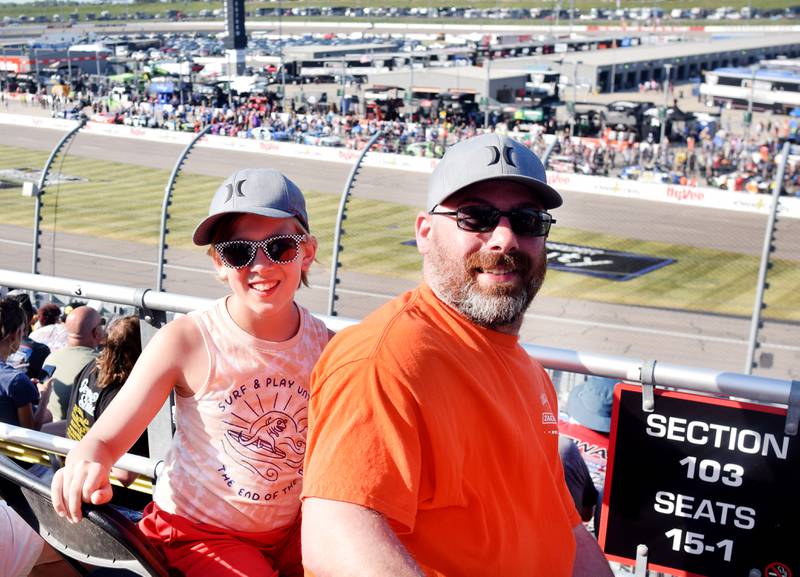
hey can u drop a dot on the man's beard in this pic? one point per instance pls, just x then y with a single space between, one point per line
499 306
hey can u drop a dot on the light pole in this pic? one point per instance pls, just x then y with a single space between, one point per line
36 63
181 64
748 117
668 69
280 46
410 93
341 102
574 114
488 63
228 70
6 66
571 15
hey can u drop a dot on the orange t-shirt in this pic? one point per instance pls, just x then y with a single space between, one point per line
449 430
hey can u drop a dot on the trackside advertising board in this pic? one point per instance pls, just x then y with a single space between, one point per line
710 486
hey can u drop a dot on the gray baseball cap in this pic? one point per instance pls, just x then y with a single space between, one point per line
261 191
489 157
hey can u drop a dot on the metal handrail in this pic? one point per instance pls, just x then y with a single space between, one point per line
150 468
650 372
701 380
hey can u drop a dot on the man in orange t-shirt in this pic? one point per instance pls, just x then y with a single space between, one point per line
433 441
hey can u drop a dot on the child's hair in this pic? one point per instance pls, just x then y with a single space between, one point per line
123 347
224 228
49 314
11 317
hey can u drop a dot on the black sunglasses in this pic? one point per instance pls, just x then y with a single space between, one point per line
281 249
484 218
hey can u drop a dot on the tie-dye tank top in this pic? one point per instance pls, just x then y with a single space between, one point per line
236 460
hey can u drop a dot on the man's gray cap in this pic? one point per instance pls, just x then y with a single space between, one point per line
261 191
489 157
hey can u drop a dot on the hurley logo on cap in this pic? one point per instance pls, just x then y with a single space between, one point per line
239 192
507 150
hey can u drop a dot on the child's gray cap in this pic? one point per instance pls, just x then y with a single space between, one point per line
261 191
489 157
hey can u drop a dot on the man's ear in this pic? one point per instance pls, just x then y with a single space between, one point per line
309 248
423 230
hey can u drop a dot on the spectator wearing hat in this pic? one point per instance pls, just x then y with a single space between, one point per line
583 444
433 441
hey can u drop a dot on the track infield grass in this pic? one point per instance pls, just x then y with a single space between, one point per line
116 201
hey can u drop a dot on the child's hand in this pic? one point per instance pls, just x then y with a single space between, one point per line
76 483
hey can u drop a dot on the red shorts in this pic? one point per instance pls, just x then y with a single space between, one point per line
205 550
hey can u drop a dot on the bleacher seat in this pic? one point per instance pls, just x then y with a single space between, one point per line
103 538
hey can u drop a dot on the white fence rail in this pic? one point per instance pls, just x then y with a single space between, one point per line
648 372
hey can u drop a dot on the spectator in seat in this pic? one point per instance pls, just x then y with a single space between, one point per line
433 441
578 478
85 332
226 502
50 330
584 444
23 553
30 355
22 403
98 384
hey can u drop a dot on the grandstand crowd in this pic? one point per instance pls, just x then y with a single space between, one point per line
726 157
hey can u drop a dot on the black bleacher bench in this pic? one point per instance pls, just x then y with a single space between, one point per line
105 537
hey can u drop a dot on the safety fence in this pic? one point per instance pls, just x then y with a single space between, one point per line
633 266
649 372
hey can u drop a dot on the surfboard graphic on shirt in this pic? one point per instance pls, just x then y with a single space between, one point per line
266 433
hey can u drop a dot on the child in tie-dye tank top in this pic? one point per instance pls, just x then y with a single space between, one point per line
227 500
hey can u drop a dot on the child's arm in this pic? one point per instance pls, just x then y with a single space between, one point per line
163 365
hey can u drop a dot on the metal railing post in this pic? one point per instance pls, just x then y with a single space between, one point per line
162 233
758 306
340 216
37 212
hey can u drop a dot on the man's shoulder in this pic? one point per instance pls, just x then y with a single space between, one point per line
71 355
400 339
69 352
402 323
